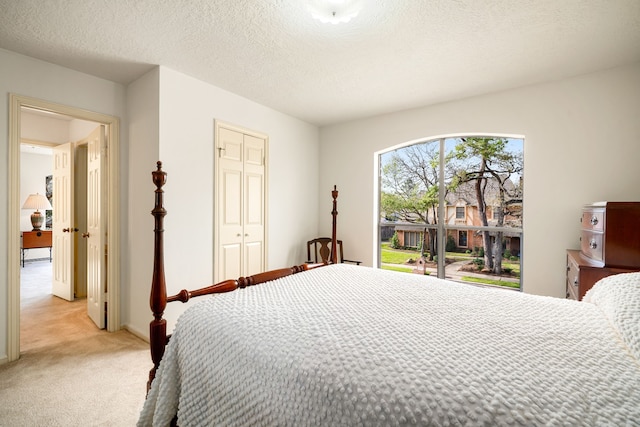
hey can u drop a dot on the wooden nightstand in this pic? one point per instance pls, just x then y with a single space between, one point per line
35 239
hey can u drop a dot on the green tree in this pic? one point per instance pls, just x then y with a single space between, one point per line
410 188
395 240
488 164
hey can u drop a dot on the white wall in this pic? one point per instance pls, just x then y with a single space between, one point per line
143 111
42 128
30 77
187 110
582 144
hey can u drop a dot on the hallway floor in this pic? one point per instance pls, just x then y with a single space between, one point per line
70 373
44 318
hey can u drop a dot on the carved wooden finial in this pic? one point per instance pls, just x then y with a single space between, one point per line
159 177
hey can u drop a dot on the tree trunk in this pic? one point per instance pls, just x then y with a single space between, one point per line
482 210
432 244
497 266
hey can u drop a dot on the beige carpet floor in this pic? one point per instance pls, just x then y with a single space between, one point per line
69 373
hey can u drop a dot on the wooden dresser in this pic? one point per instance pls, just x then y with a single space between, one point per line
609 244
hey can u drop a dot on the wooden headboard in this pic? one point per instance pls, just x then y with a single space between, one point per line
158 300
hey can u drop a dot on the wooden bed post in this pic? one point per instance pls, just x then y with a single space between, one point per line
158 298
334 214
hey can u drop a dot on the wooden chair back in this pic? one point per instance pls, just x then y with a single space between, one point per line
319 251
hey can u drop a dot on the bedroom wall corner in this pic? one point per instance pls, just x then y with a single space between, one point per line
581 145
143 106
187 108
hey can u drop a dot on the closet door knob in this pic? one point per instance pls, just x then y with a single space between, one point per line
85 235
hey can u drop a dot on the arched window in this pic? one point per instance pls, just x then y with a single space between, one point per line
463 197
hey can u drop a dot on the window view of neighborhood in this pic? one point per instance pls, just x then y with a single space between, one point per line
467 190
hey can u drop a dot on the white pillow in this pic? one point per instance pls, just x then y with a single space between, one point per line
618 297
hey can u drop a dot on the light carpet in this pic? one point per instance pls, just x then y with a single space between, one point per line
70 373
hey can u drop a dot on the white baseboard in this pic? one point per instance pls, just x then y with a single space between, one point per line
136 332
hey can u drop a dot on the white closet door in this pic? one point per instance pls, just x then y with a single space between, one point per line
254 209
229 211
240 204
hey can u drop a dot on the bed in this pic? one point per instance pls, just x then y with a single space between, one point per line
346 345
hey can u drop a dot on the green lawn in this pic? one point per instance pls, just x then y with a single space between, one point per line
400 269
504 283
400 257
396 256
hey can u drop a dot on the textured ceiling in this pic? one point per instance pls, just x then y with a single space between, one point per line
395 55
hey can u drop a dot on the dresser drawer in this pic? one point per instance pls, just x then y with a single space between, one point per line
592 245
593 219
583 273
610 233
573 278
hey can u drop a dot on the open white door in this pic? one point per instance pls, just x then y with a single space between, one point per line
96 227
63 222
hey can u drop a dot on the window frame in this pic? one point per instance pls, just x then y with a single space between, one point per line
441 227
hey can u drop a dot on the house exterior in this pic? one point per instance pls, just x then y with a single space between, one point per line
462 210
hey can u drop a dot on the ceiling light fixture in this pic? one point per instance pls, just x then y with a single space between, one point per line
334 11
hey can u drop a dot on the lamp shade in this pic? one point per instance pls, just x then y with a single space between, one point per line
36 201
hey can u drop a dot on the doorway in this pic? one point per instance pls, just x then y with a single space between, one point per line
44 136
111 124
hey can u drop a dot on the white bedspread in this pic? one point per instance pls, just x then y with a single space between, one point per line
347 345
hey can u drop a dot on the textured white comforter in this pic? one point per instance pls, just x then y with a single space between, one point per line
348 345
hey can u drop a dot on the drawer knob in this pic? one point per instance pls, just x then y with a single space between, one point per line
594 220
575 281
593 244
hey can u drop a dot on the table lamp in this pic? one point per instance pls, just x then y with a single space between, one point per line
37 202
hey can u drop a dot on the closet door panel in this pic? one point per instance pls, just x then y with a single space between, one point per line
240 204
